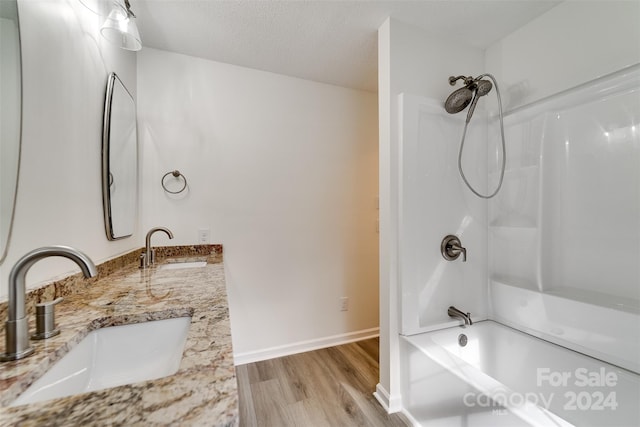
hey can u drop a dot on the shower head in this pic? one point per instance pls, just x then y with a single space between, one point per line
483 87
469 94
458 100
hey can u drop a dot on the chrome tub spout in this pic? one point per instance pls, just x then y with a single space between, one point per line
454 312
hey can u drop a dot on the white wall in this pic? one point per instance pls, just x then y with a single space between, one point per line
283 172
65 65
414 62
572 43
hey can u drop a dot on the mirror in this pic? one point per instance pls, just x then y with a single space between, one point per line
119 160
10 116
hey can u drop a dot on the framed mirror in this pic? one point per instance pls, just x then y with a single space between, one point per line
10 116
119 160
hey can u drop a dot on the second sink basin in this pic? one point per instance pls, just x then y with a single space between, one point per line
177 265
114 356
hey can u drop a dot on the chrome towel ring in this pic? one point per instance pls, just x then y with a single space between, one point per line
177 175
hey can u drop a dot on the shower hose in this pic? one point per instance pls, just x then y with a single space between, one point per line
504 152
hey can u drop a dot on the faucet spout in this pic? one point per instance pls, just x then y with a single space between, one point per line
17 326
454 312
149 254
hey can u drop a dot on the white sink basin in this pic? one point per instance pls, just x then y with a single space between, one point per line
113 356
177 265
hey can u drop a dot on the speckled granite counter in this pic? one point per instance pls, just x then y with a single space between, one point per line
202 392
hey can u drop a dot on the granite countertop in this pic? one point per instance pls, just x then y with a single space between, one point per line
202 392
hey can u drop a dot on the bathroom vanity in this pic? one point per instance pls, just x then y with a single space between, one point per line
203 391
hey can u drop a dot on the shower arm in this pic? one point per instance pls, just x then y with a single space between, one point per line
467 80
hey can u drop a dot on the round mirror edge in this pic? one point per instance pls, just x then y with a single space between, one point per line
106 120
106 165
4 249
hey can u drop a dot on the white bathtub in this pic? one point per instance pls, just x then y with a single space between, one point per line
503 377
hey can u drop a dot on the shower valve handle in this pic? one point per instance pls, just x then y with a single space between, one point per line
459 249
451 248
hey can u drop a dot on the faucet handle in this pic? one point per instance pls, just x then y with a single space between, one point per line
451 248
46 320
148 258
459 249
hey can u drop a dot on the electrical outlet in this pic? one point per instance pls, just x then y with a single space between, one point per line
344 304
203 235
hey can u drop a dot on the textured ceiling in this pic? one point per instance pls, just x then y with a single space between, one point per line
327 41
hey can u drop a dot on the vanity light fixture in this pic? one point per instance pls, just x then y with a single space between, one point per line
120 27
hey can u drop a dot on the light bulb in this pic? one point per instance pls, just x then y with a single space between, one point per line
120 29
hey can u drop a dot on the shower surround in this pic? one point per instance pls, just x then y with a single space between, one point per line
563 235
417 285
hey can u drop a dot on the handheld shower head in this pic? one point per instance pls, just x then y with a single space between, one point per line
482 87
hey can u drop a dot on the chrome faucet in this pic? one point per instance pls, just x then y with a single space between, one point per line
454 312
17 324
148 257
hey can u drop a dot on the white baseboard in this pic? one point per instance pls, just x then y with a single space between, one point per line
302 346
409 418
389 403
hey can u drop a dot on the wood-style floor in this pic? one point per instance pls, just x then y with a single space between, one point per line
327 387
